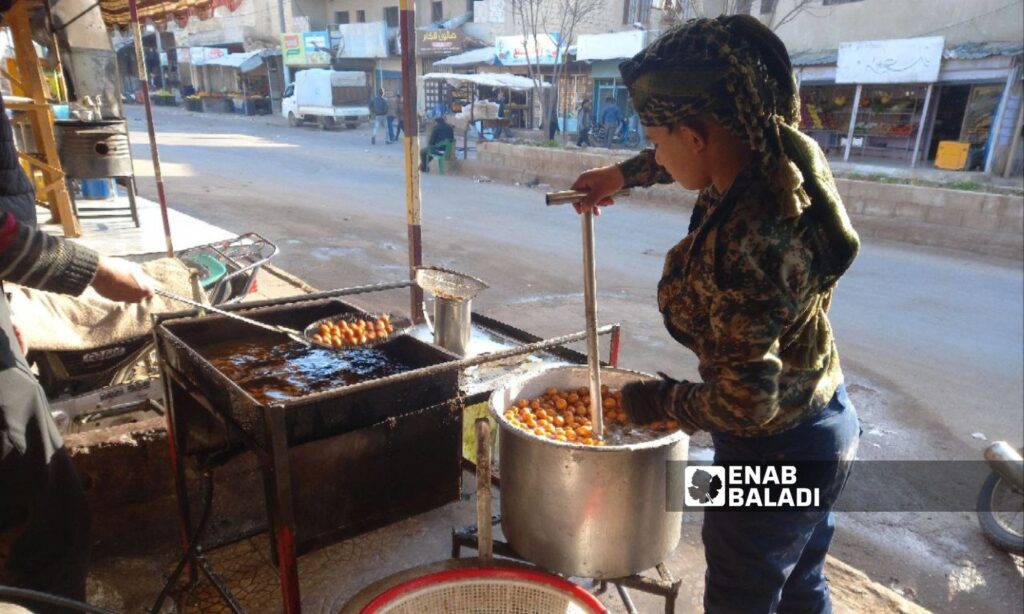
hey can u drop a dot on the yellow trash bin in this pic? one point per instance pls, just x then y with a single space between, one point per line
952 155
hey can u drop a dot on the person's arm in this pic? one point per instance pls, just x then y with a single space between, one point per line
34 259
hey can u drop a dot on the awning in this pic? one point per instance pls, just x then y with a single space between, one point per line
487 55
978 51
117 15
245 62
512 82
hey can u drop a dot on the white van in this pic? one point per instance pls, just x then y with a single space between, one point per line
327 97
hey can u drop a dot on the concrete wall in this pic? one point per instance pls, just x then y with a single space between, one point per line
824 27
980 223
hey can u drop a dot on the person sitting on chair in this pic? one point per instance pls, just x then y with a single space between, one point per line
441 132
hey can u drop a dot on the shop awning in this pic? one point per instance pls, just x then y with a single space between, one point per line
486 55
244 62
978 51
512 82
117 15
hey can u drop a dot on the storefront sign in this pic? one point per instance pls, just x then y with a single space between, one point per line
318 48
910 60
292 50
511 50
612 46
363 40
440 42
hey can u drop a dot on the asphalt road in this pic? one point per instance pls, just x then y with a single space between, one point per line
931 341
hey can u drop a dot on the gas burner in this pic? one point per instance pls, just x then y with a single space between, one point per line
664 586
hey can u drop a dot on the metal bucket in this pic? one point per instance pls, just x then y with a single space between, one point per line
591 512
452 324
94 149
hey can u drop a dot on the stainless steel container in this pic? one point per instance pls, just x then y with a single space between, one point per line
452 324
591 512
94 149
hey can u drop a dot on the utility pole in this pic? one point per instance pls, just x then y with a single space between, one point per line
285 71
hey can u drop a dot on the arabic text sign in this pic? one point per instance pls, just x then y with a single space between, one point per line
909 60
293 49
440 42
511 50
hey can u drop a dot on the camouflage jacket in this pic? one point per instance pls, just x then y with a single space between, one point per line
740 291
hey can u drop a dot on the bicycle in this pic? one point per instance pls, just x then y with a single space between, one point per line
630 137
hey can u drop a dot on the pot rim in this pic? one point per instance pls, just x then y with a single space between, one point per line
499 416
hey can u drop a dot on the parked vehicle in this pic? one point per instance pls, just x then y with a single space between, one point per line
625 135
1001 500
327 97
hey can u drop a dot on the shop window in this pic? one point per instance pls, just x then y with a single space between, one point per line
436 12
341 17
391 16
360 16
768 6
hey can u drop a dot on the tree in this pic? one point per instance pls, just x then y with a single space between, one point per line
536 19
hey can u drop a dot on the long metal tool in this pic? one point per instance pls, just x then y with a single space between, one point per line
291 333
574 196
590 305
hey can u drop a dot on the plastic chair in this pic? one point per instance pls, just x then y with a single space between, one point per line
441 152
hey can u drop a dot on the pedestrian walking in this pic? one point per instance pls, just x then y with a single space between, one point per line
611 117
379 111
748 290
501 114
393 112
583 123
400 112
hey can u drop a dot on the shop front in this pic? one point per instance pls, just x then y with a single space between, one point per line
912 102
605 52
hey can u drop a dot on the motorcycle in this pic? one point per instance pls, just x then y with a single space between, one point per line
630 137
1001 500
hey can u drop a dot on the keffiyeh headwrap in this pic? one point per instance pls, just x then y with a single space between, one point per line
734 70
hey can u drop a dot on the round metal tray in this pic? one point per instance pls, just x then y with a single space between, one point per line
400 326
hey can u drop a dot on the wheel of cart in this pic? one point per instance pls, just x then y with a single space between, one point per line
227 271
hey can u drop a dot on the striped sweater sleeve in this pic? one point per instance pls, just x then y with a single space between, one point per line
32 258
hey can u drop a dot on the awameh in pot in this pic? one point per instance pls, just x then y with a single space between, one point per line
584 511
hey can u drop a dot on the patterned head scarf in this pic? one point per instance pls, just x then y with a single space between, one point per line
734 70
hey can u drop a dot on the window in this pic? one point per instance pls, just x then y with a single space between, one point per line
360 16
636 11
436 12
391 16
767 7
341 17
469 7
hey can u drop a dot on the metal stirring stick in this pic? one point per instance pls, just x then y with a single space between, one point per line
589 301
291 333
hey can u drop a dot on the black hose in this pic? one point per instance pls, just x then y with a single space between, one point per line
24 594
193 545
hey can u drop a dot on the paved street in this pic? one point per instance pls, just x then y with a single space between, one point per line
931 341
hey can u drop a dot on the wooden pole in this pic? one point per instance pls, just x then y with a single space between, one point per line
140 61
921 126
414 217
41 118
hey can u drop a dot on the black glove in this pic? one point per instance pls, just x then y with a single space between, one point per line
649 401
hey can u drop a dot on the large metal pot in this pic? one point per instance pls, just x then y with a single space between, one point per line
94 149
591 512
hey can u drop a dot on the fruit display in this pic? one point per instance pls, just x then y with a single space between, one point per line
564 416
352 333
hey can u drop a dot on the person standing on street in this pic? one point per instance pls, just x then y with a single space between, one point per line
399 112
553 121
748 290
44 520
379 111
611 117
393 112
501 114
583 123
